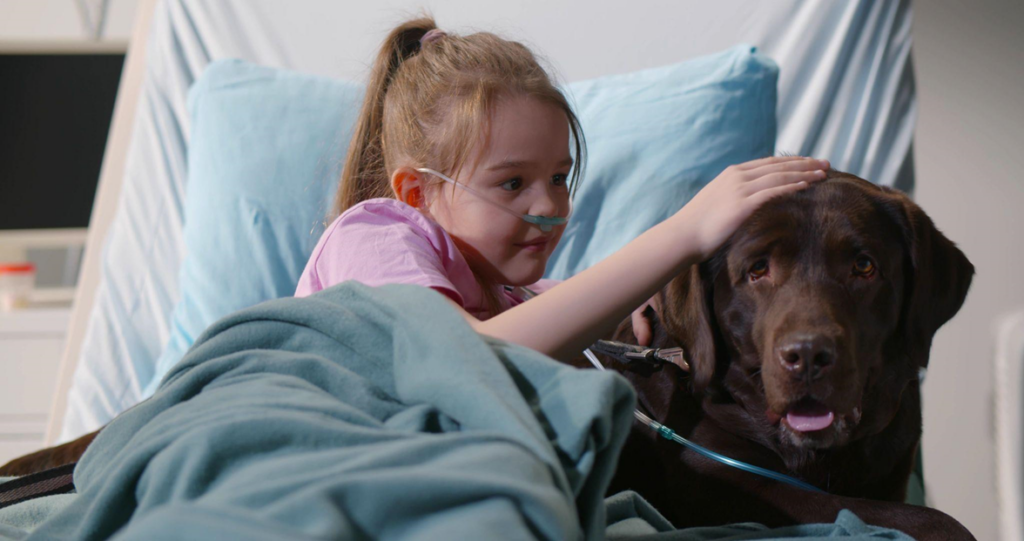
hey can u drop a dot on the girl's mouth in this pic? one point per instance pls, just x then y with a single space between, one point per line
536 245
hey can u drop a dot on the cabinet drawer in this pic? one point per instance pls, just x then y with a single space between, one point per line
28 373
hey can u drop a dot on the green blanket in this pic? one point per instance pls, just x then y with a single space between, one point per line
367 413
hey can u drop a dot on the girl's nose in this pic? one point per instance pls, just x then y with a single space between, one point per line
552 201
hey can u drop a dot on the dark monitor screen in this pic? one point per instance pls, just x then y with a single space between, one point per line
55 112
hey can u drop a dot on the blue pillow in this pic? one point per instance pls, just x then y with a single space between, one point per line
264 158
267 144
655 138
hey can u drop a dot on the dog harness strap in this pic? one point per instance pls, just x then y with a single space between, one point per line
45 483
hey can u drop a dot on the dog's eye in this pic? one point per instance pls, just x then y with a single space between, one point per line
863 266
759 269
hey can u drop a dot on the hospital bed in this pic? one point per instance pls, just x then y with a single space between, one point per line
845 87
845 93
1009 419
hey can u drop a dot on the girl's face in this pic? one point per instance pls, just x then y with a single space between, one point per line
524 168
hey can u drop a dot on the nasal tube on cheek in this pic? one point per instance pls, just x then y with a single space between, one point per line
545 223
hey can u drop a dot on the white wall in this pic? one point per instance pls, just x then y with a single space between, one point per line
970 176
59 19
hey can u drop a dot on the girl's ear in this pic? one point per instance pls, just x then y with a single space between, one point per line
407 185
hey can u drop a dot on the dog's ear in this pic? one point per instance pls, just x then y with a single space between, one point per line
937 280
688 319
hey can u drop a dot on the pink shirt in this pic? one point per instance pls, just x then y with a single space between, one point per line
385 241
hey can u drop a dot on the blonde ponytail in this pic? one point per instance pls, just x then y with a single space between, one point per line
363 175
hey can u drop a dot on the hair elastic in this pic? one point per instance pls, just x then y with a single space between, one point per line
431 35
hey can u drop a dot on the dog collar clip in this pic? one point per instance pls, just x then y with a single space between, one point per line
628 353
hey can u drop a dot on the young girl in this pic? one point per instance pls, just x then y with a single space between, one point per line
459 178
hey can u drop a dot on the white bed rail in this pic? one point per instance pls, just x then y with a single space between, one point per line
108 192
1009 417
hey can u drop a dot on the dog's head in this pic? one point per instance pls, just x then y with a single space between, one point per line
818 312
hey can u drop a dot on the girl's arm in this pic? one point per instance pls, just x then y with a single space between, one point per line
573 315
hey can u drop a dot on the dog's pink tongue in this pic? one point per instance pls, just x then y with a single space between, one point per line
810 416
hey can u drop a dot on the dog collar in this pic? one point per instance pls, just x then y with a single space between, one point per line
628 353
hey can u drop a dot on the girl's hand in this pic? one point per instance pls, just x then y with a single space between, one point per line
719 209
641 326
582 309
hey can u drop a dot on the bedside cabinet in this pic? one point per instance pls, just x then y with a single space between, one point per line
31 345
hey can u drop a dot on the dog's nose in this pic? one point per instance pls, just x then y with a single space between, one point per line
807 355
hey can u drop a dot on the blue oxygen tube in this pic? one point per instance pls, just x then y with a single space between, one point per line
670 434
544 222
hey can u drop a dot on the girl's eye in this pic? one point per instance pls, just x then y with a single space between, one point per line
512 185
864 267
758 270
559 180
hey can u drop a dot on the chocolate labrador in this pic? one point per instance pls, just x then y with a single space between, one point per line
805 335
